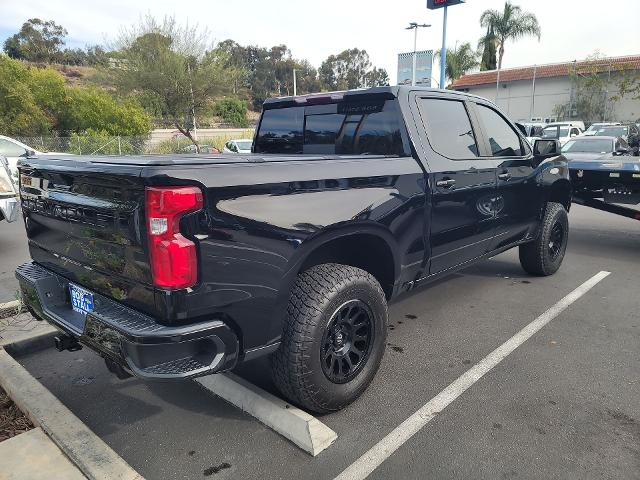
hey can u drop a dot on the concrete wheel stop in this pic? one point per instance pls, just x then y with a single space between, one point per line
301 428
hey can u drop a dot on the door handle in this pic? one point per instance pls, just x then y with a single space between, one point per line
504 176
446 183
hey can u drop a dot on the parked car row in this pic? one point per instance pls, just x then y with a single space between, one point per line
565 131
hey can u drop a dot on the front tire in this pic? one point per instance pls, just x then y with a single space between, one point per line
334 337
544 255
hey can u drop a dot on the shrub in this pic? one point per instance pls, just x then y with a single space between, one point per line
233 111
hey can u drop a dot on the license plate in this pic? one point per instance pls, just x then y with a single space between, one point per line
28 181
81 299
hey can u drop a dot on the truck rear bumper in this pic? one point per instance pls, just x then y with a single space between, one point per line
134 340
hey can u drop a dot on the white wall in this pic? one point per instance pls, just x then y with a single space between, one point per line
515 99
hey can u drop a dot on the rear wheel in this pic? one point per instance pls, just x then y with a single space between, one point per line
333 339
544 255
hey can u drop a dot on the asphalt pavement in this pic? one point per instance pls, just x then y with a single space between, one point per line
564 404
13 252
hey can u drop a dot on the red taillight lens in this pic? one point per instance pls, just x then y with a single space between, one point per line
174 262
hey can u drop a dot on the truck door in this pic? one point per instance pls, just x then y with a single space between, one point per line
462 183
517 203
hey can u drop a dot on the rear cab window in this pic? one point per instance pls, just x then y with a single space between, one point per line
355 127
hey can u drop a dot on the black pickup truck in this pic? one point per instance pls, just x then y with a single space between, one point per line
177 266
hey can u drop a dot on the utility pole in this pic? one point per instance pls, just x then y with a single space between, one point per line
414 26
295 85
193 106
533 93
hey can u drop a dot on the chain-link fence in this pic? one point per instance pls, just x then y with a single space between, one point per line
121 145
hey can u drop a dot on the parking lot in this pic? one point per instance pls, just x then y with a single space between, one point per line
564 404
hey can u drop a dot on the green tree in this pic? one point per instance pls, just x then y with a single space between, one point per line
36 101
589 93
487 45
266 72
350 69
377 77
37 41
233 111
460 60
90 109
345 70
510 24
19 110
171 63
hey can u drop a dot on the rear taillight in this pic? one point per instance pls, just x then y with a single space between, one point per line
174 262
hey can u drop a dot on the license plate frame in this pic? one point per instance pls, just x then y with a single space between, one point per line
81 299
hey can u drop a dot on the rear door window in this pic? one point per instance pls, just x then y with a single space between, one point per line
503 140
448 128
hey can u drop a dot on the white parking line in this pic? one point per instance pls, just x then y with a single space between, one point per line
372 459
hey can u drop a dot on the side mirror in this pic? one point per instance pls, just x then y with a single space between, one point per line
28 153
621 151
546 148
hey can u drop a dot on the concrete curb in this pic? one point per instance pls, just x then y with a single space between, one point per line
95 459
306 431
34 343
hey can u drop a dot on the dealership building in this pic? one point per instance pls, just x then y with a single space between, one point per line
533 93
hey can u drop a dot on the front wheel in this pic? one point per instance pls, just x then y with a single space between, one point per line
544 255
333 339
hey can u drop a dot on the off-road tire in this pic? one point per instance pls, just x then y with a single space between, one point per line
536 257
315 300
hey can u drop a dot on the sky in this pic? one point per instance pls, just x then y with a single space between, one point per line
571 29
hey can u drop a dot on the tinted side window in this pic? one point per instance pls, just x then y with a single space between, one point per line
351 128
373 128
280 131
504 141
448 128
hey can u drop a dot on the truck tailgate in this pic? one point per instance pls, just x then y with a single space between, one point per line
83 222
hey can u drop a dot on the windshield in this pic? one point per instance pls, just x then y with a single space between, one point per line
588 146
244 145
611 131
552 132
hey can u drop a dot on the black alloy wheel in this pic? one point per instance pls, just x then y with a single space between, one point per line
347 341
556 239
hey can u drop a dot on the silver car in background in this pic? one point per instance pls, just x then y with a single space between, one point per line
241 145
8 193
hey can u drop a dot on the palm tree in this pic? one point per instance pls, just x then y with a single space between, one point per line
487 45
460 60
510 24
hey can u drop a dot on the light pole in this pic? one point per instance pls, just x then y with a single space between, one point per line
434 5
414 26
443 50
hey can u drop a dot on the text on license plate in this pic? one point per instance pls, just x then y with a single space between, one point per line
81 299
